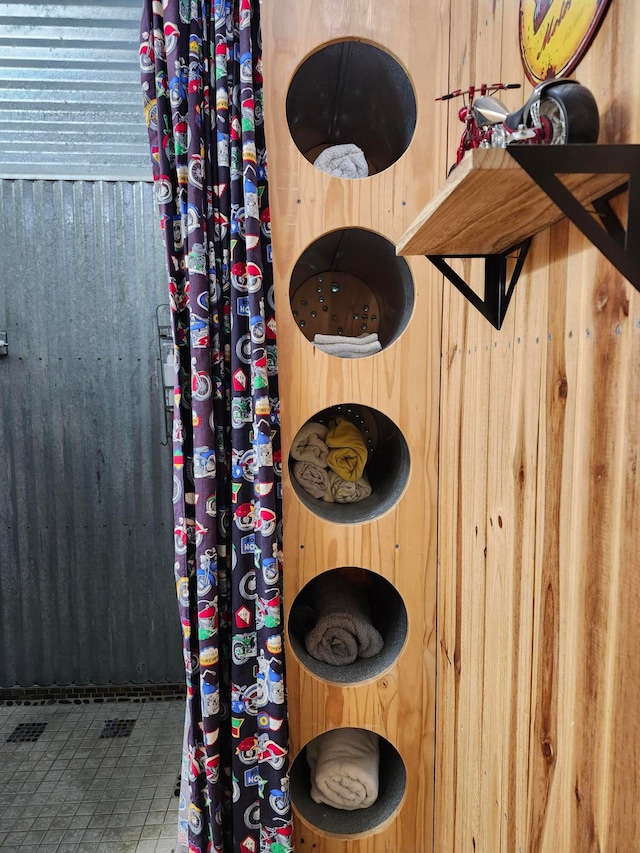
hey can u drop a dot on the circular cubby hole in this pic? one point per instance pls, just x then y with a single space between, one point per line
333 821
387 466
352 92
388 617
351 282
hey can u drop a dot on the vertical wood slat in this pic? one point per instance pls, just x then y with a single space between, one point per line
537 749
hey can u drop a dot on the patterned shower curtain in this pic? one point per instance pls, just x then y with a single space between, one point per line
202 88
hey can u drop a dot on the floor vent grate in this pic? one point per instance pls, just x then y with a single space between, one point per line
117 728
26 733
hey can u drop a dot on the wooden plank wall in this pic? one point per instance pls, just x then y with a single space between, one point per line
402 382
535 491
538 730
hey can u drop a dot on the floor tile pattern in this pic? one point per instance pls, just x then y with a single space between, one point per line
73 791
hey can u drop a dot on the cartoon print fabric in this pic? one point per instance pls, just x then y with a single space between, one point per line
202 88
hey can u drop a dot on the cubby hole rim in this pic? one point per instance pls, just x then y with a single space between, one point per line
406 275
397 646
391 54
398 491
389 748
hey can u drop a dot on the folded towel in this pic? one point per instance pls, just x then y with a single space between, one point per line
314 480
344 346
349 350
344 630
360 340
345 768
343 161
309 444
348 491
348 452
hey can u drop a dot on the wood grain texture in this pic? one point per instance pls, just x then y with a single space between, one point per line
537 746
489 204
523 441
346 305
402 382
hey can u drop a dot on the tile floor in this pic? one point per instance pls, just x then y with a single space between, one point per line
71 791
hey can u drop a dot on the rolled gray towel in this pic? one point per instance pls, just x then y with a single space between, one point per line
344 630
358 340
343 161
309 445
348 347
314 480
348 491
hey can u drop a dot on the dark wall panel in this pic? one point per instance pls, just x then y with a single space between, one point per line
86 587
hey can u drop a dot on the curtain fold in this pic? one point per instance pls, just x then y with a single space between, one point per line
202 89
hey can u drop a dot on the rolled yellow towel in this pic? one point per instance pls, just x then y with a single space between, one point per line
347 449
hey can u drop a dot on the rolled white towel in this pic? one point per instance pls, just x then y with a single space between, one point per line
342 161
345 768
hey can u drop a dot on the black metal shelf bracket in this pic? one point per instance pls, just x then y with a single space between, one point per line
497 290
618 242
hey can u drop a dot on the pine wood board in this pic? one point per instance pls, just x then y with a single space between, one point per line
539 429
489 204
402 382
538 676
341 312
533 561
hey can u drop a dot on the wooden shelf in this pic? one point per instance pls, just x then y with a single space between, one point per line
489 203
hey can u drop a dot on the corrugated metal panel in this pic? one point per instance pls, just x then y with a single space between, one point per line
86 554
70 97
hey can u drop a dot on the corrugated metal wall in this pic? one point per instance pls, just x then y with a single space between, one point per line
86 554
70 98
